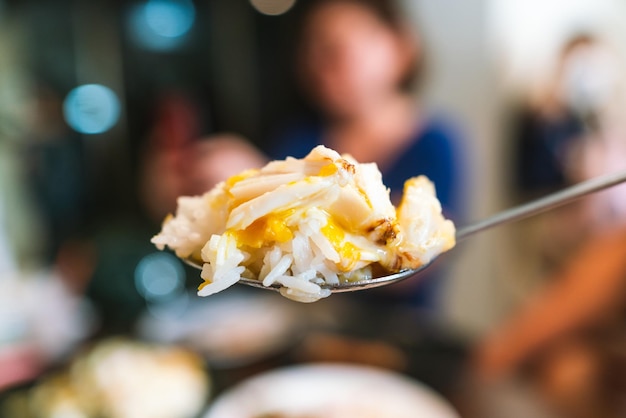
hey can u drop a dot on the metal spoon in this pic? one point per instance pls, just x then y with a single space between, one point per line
526 210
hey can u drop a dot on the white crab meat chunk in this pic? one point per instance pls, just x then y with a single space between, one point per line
425 232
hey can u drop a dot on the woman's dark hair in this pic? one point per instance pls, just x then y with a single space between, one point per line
387 11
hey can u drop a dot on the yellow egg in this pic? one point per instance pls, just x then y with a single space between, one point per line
328 170
265 231
348 252
231 181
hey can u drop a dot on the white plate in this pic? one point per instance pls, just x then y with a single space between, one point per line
232 329
330 391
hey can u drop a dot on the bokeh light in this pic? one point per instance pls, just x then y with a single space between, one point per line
91 109
159 277
161 25
272 7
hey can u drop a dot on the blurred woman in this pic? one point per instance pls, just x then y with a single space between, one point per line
569 337
569 131
357 63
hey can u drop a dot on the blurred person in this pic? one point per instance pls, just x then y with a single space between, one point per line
589 92
577 101
176 159
600 95
357 63
548 124
564 134
570 337
545 129
193 170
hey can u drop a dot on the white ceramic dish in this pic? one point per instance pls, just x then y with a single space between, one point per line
231 330
330 391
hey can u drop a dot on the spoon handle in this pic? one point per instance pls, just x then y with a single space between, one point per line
543 204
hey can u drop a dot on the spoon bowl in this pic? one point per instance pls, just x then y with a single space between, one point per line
338 287
526 210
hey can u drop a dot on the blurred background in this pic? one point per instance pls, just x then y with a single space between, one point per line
111 109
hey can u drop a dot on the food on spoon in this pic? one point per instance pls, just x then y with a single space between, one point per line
306 223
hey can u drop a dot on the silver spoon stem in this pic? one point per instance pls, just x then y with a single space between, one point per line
543 204
510 215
